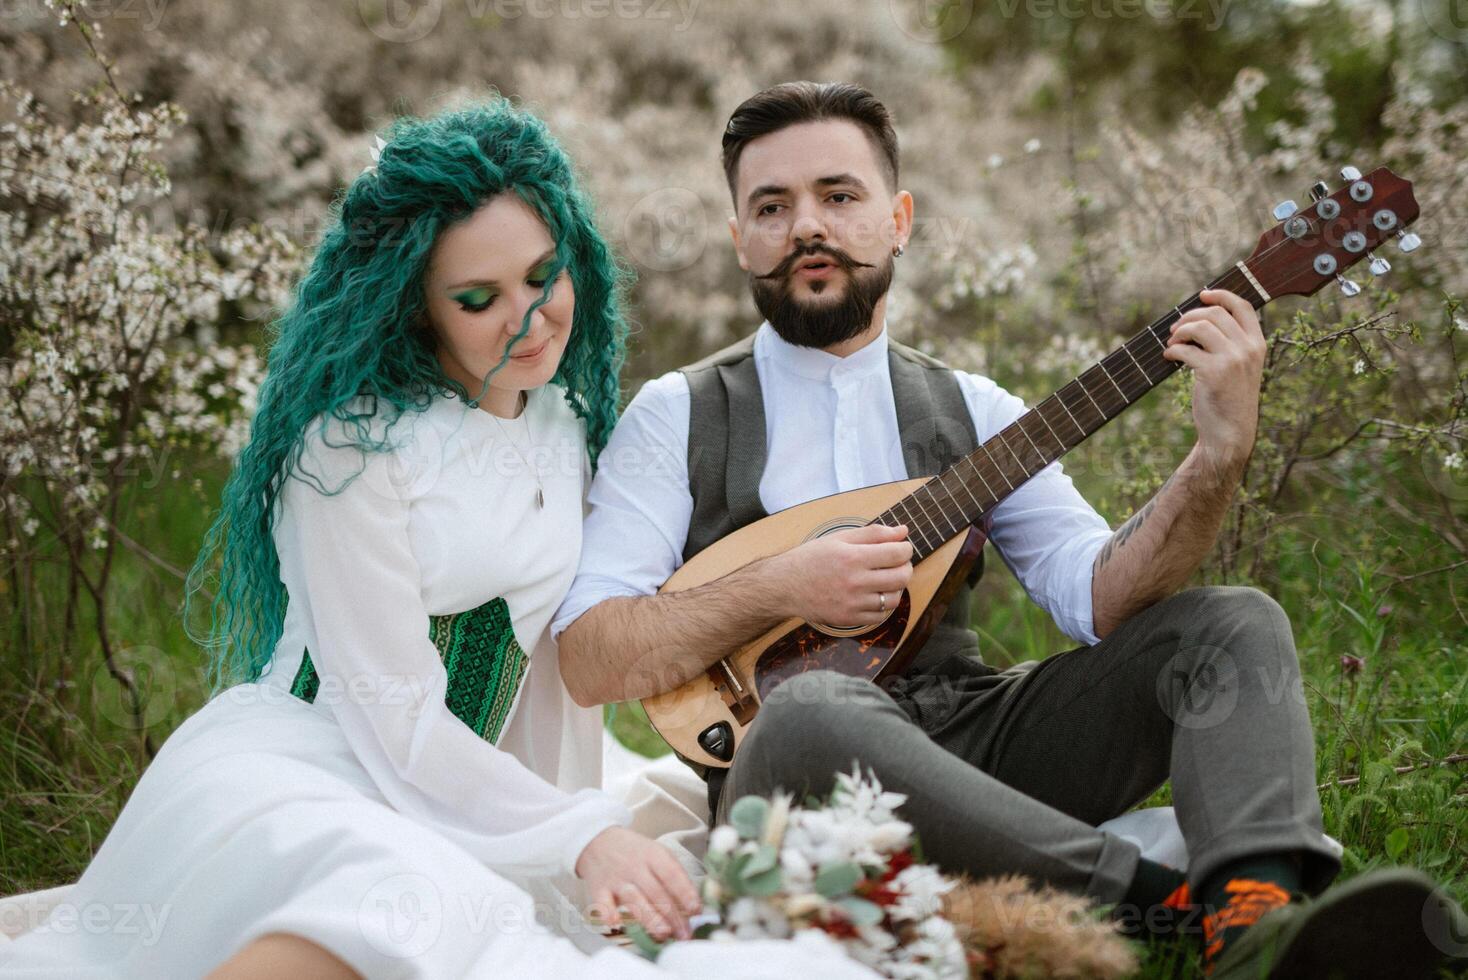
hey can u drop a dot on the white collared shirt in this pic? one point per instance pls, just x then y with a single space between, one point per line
830 426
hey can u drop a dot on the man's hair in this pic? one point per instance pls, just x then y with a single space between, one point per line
790 103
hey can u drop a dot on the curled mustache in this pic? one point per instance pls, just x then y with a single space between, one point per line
836 256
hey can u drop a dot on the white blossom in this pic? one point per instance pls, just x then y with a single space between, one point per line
107 377
723 839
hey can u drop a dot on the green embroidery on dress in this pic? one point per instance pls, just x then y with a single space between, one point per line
484 661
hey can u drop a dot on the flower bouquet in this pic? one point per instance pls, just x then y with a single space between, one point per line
851 869
847 869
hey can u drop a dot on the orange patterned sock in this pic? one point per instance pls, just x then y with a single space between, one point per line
1180 899
1157 904
1248 900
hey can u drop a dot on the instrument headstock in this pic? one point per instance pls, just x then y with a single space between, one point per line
1314 245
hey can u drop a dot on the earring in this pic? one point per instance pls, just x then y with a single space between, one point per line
897 250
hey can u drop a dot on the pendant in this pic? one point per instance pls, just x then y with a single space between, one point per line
540 498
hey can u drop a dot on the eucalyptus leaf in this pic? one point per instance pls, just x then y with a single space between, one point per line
761 861
734 873
860 911
763 885
646 945
747 816
835 880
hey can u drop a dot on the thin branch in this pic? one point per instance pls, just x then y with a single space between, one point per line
1431 571
85 30
1335 335
1400 770
1346 441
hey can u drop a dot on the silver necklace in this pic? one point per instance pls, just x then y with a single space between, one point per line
525 407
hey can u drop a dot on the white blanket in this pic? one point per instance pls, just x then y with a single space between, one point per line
669 803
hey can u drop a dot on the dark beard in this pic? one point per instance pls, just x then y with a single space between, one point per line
828 323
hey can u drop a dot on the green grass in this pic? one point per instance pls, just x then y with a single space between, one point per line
69 756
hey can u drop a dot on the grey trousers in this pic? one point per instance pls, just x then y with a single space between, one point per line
1011 771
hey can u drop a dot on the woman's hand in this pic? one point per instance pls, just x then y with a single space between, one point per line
622 867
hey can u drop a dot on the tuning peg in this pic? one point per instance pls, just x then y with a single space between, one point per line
1319 190
1347 286
1283 210
1379 266
1349 172
1407 241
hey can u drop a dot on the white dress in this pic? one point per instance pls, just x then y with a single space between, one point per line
417 806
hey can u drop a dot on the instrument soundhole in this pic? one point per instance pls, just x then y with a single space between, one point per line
845 524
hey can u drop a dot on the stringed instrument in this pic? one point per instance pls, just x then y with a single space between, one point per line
946 515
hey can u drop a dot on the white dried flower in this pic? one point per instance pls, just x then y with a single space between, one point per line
723 839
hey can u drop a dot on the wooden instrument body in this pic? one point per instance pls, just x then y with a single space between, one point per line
732 689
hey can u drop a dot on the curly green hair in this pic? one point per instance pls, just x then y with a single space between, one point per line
356 325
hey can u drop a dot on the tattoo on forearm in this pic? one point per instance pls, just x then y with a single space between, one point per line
1128 528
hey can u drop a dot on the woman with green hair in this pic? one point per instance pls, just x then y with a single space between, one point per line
390 778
